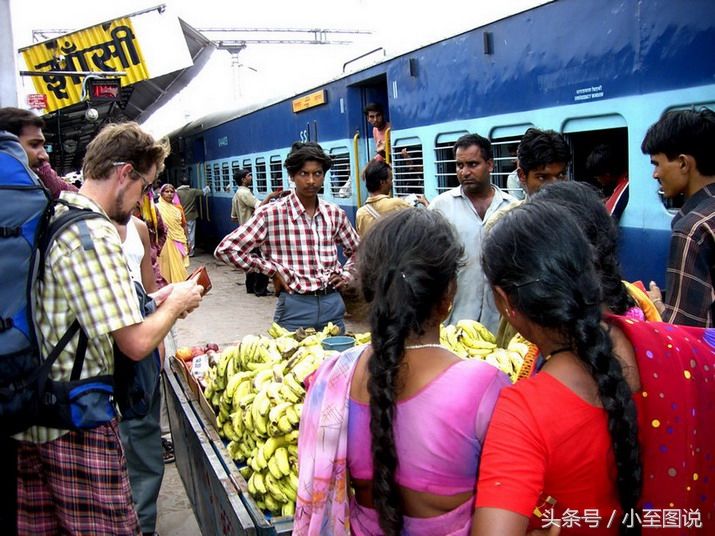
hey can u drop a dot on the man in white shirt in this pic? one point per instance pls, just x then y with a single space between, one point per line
468 206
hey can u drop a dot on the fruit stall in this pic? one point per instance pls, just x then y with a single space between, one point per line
234 413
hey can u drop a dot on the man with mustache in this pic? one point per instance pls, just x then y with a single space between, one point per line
28 128
298 238
468 206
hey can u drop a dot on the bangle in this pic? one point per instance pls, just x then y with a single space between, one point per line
656 300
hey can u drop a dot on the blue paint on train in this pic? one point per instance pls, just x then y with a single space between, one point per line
572 65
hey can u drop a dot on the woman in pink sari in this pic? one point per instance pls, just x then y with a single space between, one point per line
391 432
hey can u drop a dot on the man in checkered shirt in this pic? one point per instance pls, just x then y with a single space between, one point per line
76 482
298 238
680 145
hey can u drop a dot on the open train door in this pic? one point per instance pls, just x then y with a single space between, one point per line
372 90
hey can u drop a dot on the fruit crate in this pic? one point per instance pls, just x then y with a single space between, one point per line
262 523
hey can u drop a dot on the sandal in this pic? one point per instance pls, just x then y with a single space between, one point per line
168 446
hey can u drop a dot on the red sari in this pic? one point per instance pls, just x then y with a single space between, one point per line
543 440
676 416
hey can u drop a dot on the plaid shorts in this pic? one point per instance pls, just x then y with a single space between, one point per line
76 484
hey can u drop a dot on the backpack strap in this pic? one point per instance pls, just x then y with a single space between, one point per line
71 216
371 210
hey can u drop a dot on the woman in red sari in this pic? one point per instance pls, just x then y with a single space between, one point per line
616 429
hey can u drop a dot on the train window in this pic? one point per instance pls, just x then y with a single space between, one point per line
226 178
247 164
234 168
209 178
276 174
446 170
340 183
217 178
504 150
600 157
260 176
407 167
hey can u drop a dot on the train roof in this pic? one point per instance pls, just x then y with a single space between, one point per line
218 118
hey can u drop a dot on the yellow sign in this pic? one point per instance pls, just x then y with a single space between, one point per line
309 101
107 47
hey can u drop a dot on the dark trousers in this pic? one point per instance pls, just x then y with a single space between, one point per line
256 283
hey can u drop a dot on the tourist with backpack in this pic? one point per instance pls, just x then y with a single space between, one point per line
72 475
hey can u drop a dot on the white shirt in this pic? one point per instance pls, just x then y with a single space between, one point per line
133 251
474 298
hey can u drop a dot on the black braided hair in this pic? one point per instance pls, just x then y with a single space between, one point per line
406 264
584 203
539 256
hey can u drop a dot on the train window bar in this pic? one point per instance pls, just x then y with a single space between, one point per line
217 178
247 164
260 176
504 150
209 177
226 177
276 173
446 168
407 167
339 175
235 166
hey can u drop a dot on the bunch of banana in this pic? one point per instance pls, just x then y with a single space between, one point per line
256 389
508 361
468 339
360 338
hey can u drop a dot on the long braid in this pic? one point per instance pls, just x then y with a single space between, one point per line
389 331
539 256
594 348
406 262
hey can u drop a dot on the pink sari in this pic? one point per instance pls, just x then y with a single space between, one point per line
325 505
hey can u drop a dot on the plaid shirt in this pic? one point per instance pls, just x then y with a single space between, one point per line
93 286
691 263
301 250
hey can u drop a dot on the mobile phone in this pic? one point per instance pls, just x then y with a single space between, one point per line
201 276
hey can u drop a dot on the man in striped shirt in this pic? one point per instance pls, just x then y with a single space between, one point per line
680 145
298 237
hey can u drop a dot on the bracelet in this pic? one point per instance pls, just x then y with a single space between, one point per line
656 300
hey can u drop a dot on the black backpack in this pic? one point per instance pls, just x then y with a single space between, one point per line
27 395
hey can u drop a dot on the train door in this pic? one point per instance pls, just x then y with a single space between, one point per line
373 90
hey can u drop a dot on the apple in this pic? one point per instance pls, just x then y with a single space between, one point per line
184 353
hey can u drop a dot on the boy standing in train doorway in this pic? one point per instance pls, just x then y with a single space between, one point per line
680 145
376 117
298 238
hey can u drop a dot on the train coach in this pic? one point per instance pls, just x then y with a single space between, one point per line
598 72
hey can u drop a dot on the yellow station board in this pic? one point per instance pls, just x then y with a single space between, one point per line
108 47
309 101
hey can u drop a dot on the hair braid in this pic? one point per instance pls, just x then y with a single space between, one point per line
593 346
406 264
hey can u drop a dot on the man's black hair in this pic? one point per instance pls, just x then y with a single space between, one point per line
540 148
302 152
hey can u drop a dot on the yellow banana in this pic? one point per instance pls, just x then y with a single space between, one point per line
259 483
271 504
274 489
281 457
274 469
288 509
284 424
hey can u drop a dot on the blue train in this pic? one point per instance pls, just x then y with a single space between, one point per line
596 71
